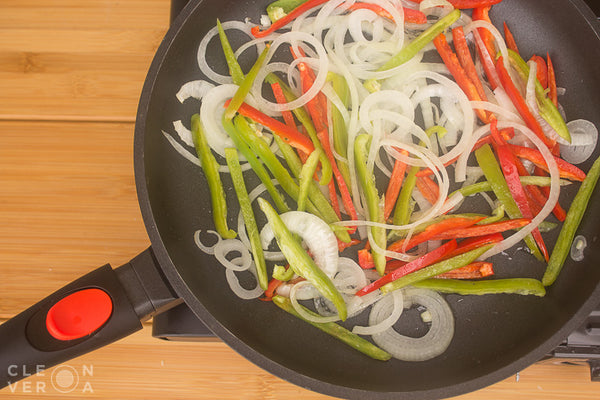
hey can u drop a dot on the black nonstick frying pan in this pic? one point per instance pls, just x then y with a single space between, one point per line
495 336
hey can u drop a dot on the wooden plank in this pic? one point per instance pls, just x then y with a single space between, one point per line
141 367
68 205
69 59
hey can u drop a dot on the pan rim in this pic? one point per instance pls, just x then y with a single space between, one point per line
182 289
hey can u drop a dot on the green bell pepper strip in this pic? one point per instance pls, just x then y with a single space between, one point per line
523 286
211 171
322 209
234 67
410 50
233 162
485 186
306 176
280 8
256 165
282 274
300 261
547 226
404 204
569 229
366 178
304 118
338 125
436 269
314 193
246 85
497 215
548 110
493 174
262 150
337 331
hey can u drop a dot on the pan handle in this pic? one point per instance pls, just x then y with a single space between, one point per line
97 309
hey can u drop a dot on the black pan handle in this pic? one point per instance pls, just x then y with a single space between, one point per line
95 310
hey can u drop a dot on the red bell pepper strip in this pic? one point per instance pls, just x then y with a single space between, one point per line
283 21
510 39
552 81
433 231
415 265
474 242
288 117
567 171
457 71
428 188
475 270
270 292
365 259
291 136
464 4
343 245
344 192
520 104
479 230
464 56
542 70
508 163
410 15
317 108
544 192
486 52
393 189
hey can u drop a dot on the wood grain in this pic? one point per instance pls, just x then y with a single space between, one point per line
81 59
70 77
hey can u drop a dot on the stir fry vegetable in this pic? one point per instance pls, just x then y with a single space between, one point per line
388 126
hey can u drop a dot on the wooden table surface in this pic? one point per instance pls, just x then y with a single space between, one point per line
70 76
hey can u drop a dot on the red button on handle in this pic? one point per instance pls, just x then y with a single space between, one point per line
79 314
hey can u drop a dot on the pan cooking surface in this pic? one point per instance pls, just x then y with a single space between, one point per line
495 336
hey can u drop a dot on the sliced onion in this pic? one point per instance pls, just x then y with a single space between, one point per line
193 89
584 137
202 246
577 248
350 277
204 67
184 133
300 309
236 287
405 348
193 158
211 112
530 99
226 246
386 323
317 235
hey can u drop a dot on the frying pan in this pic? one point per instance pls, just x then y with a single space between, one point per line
495 336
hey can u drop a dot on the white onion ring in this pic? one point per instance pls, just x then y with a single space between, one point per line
236 287
387 323
225 246
204 67
317 235
193 89
435 341
202 246
584 137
